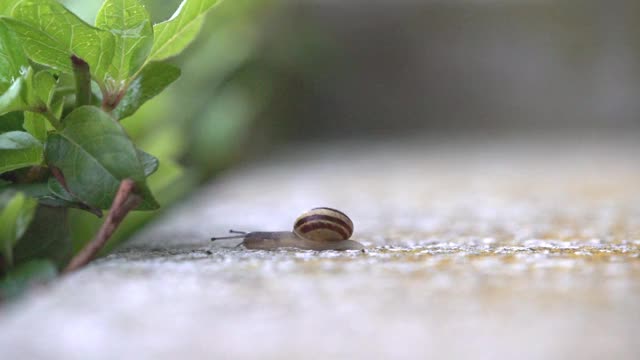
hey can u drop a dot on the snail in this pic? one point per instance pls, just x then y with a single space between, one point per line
320 228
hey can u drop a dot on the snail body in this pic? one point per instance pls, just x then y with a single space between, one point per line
261 240
316 229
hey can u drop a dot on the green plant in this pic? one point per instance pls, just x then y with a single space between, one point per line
202 123
64 87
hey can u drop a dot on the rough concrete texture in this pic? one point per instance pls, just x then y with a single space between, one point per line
508 249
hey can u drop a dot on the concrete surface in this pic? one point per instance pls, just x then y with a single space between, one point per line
512 248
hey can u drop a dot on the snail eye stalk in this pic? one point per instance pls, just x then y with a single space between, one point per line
237 232
241 235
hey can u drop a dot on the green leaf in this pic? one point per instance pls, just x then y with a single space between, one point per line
173 36
47 237
11 121
15 98
19 149
19 96
153 78
16 213
25 276
44 86
13 62
36 125
149 162
95 155
130 23
7 5
57 105
39 46
51 34
52 194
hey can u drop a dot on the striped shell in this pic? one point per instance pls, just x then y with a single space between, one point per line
323 224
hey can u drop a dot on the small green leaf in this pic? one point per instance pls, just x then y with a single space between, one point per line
16 213
25 276
51 34
14 98
130 23
153 78
173 36
44 85
149 162
13 62
66 85
57 105
18 97
36 125
95 155
19 149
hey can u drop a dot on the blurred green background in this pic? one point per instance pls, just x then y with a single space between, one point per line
269 72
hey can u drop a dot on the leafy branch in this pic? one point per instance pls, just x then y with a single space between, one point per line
71 152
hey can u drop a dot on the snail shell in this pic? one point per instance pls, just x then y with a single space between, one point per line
323 224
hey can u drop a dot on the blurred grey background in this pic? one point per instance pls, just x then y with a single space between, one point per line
401 66
325 68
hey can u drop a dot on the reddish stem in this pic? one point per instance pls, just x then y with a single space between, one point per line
111 101
59 176
124 202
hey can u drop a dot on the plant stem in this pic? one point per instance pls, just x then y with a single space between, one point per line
124 202
52 118
83 81
111 100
